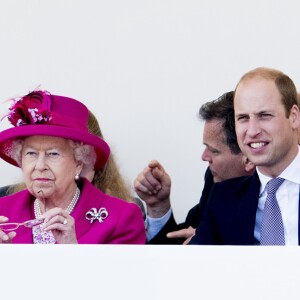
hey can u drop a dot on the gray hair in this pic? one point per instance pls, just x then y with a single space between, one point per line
83 153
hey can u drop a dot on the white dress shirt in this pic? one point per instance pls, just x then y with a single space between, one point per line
288 200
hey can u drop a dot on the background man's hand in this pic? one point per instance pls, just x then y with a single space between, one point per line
186 233
153 185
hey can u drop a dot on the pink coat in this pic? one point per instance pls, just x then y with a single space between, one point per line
123 225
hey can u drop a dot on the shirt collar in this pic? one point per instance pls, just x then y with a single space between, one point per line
291 173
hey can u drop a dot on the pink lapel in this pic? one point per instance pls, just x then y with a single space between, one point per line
90 197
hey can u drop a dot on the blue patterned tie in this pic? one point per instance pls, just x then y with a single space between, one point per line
272 230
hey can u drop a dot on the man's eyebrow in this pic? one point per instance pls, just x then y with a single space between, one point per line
210 147
241 115
264 112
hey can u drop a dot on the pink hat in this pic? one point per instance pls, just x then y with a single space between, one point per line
40 113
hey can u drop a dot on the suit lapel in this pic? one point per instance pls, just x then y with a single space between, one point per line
247 211
89 198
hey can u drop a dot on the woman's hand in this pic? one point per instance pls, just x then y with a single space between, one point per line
61 224
6 238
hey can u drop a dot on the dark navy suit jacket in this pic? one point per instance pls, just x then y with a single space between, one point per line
231 213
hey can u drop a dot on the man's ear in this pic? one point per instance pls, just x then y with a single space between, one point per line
295 117
249 166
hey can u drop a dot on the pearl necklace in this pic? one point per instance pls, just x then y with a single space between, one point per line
69 209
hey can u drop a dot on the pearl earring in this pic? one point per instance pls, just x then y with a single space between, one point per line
76 176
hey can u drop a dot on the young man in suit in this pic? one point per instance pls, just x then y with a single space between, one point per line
225 160
243 211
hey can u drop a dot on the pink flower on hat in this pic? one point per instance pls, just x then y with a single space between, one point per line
34 108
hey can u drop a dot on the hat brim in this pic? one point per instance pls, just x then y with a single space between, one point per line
9 135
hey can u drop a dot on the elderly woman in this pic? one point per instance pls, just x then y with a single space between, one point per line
52 145
108 179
